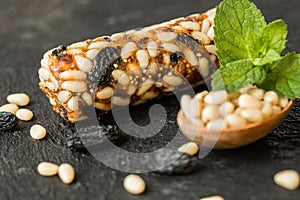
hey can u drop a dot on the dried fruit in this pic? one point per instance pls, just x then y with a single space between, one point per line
7 121
104 61
185 164
94 135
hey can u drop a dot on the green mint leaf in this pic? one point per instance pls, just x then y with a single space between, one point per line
274 36
271 56
284 76
238 74
233 22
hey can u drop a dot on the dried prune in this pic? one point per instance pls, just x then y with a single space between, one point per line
59 51
7 121
94 135
104 61
185 164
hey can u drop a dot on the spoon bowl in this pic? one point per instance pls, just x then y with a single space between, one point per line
229 138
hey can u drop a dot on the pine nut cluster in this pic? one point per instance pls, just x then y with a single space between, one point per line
219 109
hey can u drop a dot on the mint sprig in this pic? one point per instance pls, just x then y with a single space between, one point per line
250 50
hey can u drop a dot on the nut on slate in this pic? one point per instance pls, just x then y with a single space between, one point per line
288 179
10 107
212 198
47 169
134 184
66 173
37 132
190 148
24 114
19 99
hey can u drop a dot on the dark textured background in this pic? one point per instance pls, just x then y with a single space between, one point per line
30 27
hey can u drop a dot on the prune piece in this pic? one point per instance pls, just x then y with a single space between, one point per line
104 61
7 121
142 42
175 57
186 39
185 164
59 51
94 135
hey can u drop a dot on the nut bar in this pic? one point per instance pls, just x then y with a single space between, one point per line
129 67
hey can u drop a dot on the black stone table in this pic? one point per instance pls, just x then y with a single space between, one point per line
29 28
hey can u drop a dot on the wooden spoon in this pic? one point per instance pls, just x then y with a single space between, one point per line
232 137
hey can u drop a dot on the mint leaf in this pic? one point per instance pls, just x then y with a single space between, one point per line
284 76
233 21
274 36
238 74
271 56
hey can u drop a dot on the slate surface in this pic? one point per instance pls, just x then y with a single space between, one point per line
28 28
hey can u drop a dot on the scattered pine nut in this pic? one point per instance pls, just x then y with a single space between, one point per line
212 198
47 169
12 108
37 132
190 148
66 173
288 179
20 99
24 114
134 184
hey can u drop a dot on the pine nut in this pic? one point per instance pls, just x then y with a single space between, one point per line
128 50
186 109
190 148
247 101
118 101
143 58
172 80
288 179
102 106
74 86
78 45
205 26
87 98
170 47
73 103
98 45
234 120
64 95
204 67
166 59
209 113
44 74
150 95
145 87
256 93
211 48
283 102
267 109
216 98
196 107
212 198
271 97
121 77
211 33
152 48
134 184
131 90
166 36
47 169
190 57
252 115
105 93
226 108
12 108
91 54
19 99
84 64
24 114
202 37
66 173
37 132
190 25
73 75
